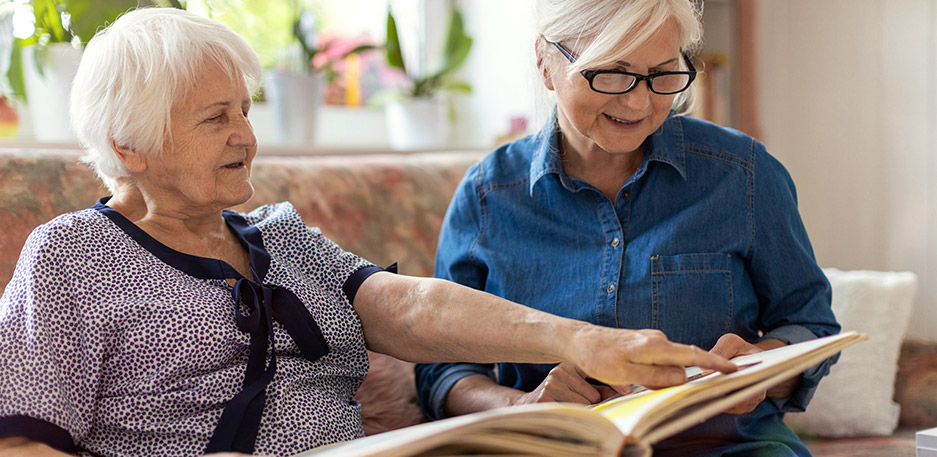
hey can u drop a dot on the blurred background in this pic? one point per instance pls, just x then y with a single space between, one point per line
843 92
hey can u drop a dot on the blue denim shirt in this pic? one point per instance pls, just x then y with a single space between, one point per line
704 239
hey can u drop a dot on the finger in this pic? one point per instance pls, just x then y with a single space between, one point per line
682 355
655 376
623 389
569 377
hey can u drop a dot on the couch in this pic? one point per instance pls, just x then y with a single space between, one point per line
386 208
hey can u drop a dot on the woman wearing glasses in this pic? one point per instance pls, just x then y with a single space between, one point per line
624 213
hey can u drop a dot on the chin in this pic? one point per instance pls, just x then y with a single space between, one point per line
240 196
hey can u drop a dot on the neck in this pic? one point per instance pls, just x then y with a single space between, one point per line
596 166
163 219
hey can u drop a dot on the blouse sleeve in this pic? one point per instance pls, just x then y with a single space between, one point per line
287 236
794 293
48 371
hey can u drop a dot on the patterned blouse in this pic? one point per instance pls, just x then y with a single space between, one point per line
113 344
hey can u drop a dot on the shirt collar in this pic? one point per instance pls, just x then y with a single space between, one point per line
199 267
665 145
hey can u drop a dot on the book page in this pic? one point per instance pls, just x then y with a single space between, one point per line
551 429
640 412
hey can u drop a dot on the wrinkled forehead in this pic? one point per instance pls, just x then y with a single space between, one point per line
210 78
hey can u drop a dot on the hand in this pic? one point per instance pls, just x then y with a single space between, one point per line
644 357
731 345
567 383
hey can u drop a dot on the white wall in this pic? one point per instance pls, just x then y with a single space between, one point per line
500 69
847 99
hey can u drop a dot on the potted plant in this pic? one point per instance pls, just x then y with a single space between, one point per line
295 88
417 116
41 66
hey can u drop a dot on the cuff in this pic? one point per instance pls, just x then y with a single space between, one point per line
36 430
437 396
790 334
353 283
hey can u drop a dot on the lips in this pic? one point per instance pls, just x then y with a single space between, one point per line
622 121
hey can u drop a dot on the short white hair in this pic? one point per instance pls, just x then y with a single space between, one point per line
133 73
606 31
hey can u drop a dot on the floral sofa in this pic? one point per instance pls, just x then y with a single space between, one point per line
386 208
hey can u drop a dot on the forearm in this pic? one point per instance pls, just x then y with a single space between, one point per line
478 393
22 447
432 320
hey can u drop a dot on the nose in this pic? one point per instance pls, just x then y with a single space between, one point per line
638 98
242 134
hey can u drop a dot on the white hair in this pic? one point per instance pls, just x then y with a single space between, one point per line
606 31
132 74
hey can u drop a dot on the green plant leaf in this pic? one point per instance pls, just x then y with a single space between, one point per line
90 16
457 45
456 86
394 54
16 71
49 21
359 49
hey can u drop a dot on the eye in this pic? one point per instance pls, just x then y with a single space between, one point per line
216 118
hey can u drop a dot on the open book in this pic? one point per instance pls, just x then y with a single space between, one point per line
624 425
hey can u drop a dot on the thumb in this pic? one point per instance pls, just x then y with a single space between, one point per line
728 346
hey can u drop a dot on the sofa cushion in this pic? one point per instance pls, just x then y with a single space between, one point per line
856 397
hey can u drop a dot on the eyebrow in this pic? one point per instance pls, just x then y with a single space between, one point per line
626 64
224 104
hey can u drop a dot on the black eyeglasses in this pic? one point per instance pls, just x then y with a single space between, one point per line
620 82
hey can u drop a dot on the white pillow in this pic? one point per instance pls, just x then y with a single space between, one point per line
856 397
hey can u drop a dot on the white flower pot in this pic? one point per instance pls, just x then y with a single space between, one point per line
47 92
294 99
417 124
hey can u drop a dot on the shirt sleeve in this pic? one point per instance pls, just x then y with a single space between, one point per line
794 294
456 261
48 371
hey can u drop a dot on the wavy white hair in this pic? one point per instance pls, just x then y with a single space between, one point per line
133 72
606 31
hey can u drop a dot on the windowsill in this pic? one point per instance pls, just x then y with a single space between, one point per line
339 131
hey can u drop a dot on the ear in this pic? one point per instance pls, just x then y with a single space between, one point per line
541 65
133 160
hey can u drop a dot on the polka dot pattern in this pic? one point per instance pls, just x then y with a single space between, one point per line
134 357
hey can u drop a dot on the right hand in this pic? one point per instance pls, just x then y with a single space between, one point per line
567 383
642 357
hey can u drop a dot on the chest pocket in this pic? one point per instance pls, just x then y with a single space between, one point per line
692 297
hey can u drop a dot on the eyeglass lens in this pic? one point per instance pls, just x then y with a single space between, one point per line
619 82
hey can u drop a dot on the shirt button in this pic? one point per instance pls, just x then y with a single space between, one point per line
610 288
626 194
615 242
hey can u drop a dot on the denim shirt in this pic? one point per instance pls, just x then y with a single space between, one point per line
704 239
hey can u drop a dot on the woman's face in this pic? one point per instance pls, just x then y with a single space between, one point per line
614 123
206 163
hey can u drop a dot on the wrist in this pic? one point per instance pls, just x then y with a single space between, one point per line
567 346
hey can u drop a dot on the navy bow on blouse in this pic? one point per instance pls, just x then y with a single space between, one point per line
240 421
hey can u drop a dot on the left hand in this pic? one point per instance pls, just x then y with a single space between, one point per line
731 345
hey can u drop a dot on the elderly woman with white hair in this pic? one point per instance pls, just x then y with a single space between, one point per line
648 219
157 322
